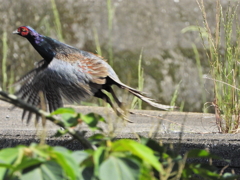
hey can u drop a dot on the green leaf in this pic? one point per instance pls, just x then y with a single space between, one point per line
79 156
229 176
205 171
151 143
201 153
119 169
139 150
60 133
98 158
63 157
7 156
52 170
70 120
63 111
61 149
69 116
48 170
97 138
92 120
41 150
34 173
146 172
26 163
87 173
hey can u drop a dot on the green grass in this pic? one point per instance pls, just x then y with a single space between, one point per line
110 10
136 101
174 98
4 60
223 51
197 58
11 80
97 43
200 73
57 21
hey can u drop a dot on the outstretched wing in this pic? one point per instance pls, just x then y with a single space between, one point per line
75 78
55 80
88 66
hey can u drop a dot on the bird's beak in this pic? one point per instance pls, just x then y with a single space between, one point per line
15 32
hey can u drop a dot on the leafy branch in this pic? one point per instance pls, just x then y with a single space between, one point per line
10 98
123 158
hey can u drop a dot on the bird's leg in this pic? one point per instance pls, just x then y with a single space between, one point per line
119 103
103 96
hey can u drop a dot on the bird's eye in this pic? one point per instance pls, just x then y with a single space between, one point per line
23 30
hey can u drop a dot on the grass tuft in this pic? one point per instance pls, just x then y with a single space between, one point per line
223 52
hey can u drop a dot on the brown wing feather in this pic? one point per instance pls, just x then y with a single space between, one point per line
91 65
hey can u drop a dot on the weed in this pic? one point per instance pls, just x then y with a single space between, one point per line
175 95
137 101
57 20
110 27
4 60
223 58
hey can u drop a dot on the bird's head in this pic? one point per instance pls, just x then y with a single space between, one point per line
44 45
25 31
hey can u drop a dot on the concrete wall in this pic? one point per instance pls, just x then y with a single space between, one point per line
153 25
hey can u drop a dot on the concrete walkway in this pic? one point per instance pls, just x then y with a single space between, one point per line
184 130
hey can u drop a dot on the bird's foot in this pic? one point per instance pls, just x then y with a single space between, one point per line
121 113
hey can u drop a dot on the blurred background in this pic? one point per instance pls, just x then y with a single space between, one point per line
165 33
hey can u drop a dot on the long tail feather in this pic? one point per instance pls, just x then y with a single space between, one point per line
142 96
150 101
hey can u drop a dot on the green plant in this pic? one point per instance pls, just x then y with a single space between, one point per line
4 60
197 57
200 72
57 21
103 157
110 10
174 98
97 43
140 83
223 58
122 159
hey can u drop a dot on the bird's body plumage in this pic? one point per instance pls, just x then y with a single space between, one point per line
70 73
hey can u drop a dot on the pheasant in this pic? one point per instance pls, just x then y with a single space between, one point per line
69 73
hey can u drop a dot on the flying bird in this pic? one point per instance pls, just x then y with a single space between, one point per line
69 73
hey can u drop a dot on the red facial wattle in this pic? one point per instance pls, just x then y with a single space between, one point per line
23 31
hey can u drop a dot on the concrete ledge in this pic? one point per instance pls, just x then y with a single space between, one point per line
184 130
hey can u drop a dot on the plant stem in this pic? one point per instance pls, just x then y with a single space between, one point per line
10 98
4 60
110 27
57 21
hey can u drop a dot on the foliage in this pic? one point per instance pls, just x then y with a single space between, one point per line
223 55
112 159
122 159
